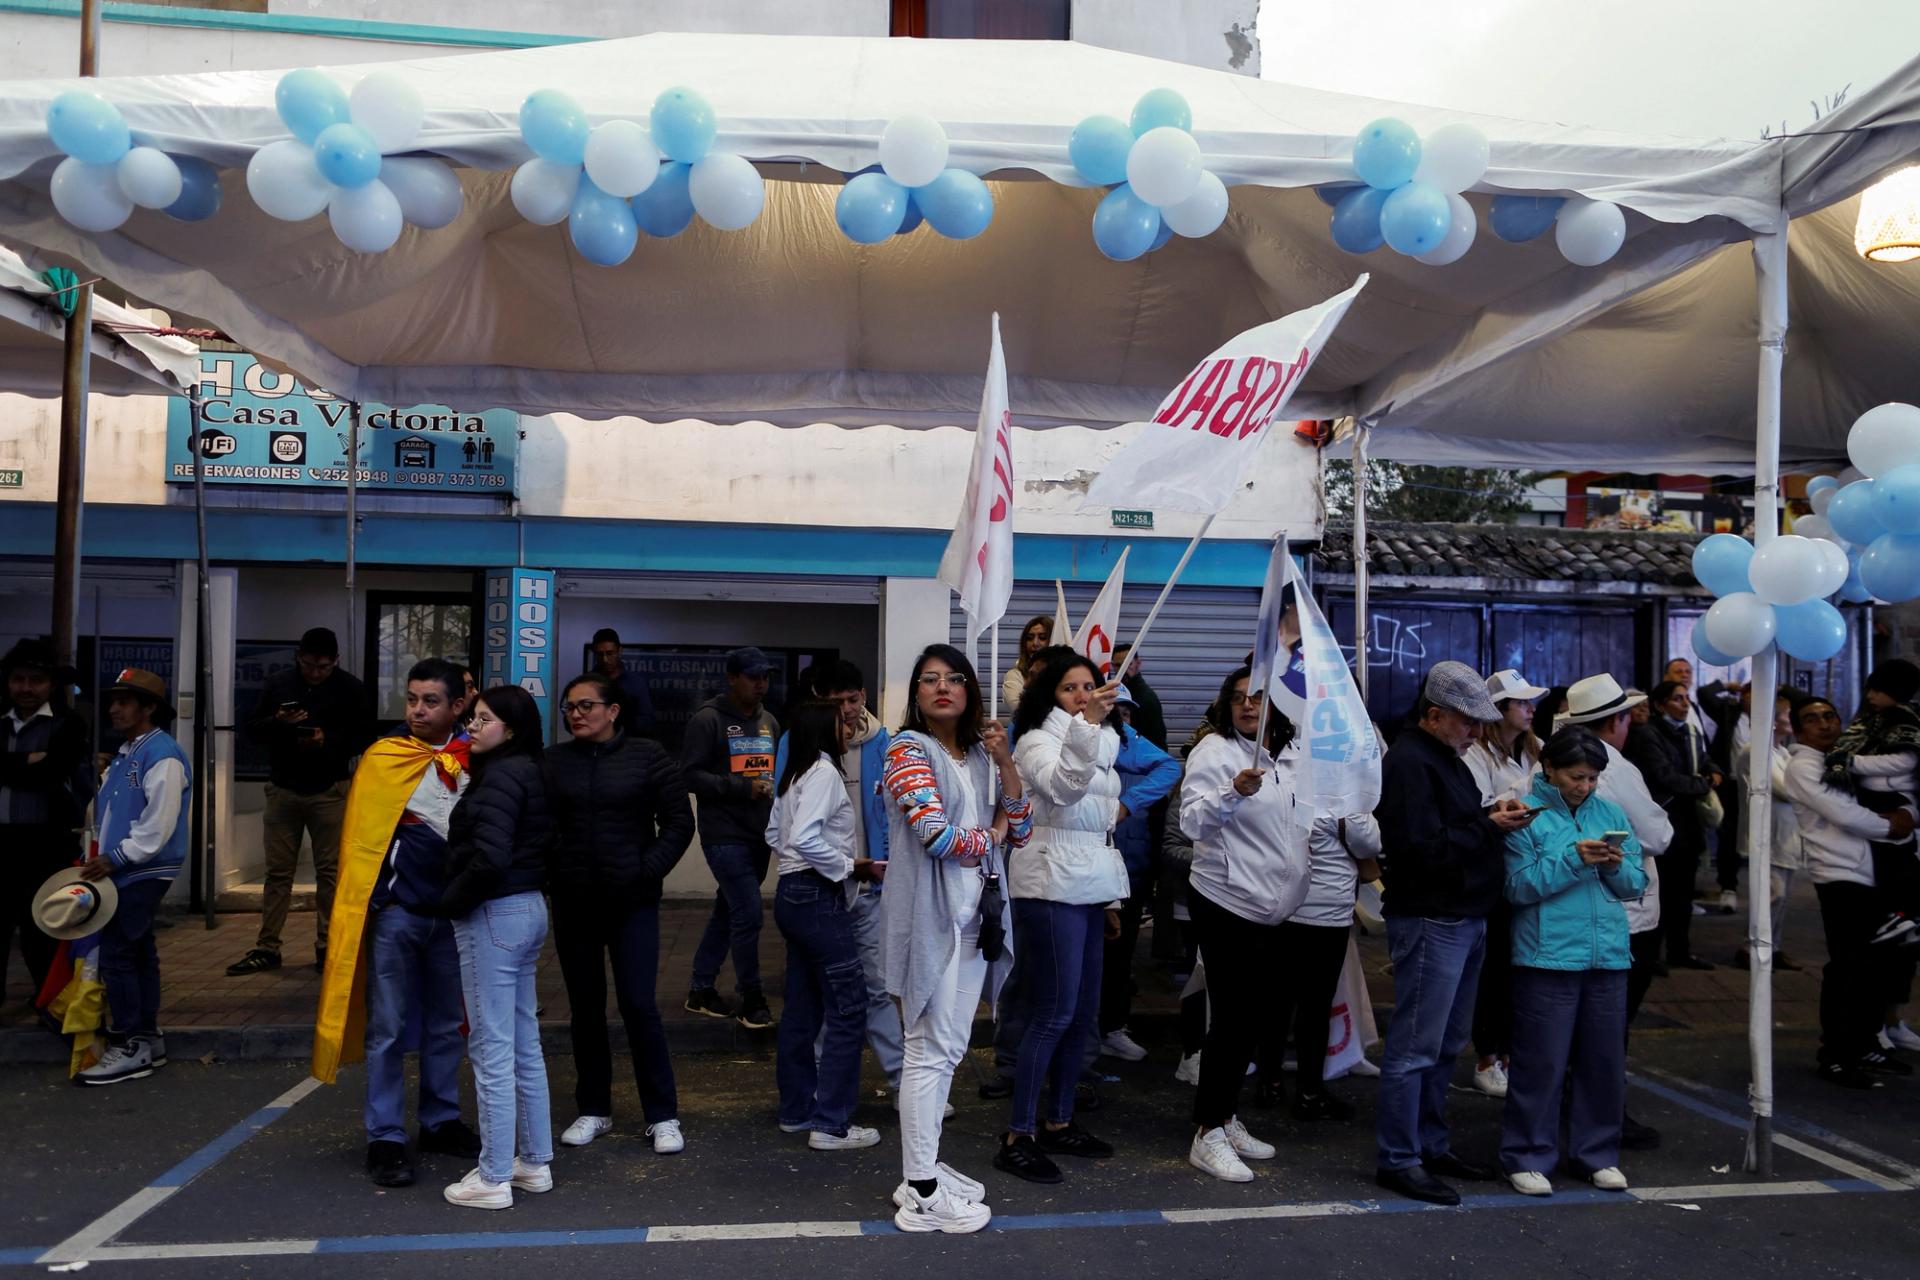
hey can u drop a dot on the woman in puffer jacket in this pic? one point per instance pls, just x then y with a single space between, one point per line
1570 873
1066 885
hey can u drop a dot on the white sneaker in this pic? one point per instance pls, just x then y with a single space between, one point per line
950 1178
1492 1081
1365 1068
585 1130
944 1210
856 1137
792 1128
1245 1144
946 1108
1529 1183
1729 901
129 1061
475 1192
531 1177
1188 1072
1901 1036
1609 1179
1212 1152
1118 1044
667 1138
157 1048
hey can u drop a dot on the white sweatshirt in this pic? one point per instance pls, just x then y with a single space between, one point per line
1248 855
1834 827
811 827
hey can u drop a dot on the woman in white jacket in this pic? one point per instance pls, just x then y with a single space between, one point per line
1250 874
1063 884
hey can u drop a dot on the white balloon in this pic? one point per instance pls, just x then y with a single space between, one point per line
89 195
387 106
1589 232
1817 527
1786 570
1201 213
1884 437
149 177
727 191
365 218
1461 229
913 150
428 190
1739 625
543 191
1820 499
1452 158
1164 166
1851 474
621 158
285 183
1834 566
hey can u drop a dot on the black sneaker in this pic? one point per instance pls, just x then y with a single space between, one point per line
1024 1159
1321 1105
1270 1093
257 960
1847 1075
1086 1098
1885 1064
387 1164
1635 1136
754 1014
997 1088
1072 1141
707 1001
453 1138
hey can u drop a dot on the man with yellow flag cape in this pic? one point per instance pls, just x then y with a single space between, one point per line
392 981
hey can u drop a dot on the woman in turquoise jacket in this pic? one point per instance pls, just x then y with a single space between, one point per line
1568 874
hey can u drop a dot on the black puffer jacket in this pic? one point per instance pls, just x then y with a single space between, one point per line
500 836
624 816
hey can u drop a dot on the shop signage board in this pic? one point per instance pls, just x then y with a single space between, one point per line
683 678
518 639
12 478
114 654
262 428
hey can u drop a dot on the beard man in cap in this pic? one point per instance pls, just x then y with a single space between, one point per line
41 751
1445 866
142 826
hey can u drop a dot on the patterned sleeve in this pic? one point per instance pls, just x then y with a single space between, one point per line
1019 820
910 782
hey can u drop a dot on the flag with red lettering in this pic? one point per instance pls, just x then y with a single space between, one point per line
1062 629
978 563
1193 454
1101 627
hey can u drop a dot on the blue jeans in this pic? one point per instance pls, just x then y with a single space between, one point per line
1569 1055
1436 967
499 947
826 997
883 1017
1061 946
738 870
413 1001
130 962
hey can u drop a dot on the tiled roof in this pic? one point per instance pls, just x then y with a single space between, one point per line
1513 552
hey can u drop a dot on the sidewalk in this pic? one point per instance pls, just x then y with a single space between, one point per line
270 1015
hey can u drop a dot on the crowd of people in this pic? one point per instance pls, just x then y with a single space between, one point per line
1538 850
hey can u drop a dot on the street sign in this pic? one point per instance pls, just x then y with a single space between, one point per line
1132 519
12 479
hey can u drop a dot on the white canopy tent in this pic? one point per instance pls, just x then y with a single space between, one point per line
127 362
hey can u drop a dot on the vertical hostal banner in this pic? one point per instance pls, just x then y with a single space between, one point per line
520 635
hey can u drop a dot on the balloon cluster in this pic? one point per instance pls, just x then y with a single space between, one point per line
1876 520
1412 201
913 184
342 159
609 182
1161 188
105 174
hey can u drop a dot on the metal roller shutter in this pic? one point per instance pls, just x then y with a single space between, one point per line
1203 633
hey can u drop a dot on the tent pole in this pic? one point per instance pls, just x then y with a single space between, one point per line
71 463
1360 574
206 885
353 515
1770 272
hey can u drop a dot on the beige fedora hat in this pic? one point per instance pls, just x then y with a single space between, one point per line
67 907
1596 698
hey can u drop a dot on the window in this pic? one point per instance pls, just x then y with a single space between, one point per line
404 627
982 19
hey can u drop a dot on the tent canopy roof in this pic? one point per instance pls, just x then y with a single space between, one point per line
125 362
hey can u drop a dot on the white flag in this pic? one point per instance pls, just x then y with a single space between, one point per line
979 558
1267 645
1193 454
1310 682
1062 629
1101 628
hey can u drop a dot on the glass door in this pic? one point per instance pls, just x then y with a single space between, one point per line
405 626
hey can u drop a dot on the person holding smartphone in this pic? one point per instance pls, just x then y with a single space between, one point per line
1570 873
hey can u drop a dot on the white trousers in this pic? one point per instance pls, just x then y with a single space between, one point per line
935 1044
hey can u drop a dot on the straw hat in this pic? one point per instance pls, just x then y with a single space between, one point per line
67 907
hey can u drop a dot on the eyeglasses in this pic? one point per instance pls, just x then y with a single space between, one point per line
1246 699
582 707
935 680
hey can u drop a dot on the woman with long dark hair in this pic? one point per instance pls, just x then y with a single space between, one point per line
811 833
1035 636
498 841
957 797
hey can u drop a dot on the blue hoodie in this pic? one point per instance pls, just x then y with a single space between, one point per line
1146 775
1566 914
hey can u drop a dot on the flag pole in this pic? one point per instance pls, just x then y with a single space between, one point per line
1140 637
1260 729
993 673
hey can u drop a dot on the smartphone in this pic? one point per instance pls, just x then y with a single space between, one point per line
289 706
1616 838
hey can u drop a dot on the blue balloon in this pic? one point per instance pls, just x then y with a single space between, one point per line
913 219
1356 220
1386 153
1812 631
1166 234
1853 591
1704 650
308 101
199 190
346 155
602 226
1720 563
1818 483
1890 567
1124 225
1334 192
1896 499
665 208
1518 219
1161 107
1851 513
88 127
683 125
1415 218
1098 147
871 208
956 204
554 126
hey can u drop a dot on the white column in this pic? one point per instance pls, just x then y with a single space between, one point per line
914 613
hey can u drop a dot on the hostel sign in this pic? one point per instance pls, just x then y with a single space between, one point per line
518 645
263 428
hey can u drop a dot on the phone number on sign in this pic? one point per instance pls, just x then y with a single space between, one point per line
422 479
